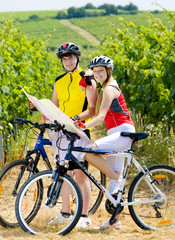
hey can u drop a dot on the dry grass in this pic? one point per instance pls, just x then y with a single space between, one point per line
129 231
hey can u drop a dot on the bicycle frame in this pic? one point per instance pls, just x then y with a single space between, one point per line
39 146
38 150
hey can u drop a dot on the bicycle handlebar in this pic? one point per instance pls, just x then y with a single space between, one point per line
69 135
36 125
56 126
22 121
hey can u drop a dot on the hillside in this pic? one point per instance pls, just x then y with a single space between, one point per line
99 27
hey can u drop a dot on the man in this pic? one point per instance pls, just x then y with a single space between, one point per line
78 105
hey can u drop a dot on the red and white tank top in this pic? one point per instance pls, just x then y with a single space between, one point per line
118 113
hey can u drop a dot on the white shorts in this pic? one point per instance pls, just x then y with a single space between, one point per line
64 146
115 142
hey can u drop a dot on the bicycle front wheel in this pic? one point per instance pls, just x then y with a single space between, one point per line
12 177
47 218
155 215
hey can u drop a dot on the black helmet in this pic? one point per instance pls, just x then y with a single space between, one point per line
67 48
101 61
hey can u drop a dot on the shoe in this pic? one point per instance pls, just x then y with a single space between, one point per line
83 222
116 225
114 186
60 220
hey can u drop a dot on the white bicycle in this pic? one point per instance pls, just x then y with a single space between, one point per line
151 195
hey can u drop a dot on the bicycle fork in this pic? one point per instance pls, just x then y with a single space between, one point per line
56 186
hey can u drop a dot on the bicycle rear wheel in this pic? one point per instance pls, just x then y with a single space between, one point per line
27 202
8 178
158 215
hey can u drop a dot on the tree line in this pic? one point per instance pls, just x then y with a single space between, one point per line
89 10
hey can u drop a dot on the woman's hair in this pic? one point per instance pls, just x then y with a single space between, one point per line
105 84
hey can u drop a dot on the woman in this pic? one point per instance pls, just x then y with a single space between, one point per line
112 109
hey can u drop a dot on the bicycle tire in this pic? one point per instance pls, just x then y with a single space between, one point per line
158 215
96 194
8 176
44 216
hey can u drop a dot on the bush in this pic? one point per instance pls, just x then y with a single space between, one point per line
33 17
61 15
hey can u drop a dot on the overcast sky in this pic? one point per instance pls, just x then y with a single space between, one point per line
32 5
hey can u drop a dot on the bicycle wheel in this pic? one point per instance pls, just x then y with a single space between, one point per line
44 215
96 194
8 178
154 215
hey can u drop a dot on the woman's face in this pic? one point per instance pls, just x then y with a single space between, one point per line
69 62
100 74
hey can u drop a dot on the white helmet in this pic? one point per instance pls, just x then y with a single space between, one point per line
101 61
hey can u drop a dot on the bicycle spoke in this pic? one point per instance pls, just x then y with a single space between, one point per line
32 199
159 214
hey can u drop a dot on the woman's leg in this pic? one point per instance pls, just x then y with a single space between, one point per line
100 163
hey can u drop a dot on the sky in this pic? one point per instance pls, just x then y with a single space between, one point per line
36 5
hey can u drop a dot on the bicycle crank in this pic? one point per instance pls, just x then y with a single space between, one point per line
110 208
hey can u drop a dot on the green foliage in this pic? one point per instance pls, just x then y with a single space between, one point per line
158 148
26 64
61 15
130 7
109 8
144 60
76 12
89 6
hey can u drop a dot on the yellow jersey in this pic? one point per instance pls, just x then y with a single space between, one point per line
72 101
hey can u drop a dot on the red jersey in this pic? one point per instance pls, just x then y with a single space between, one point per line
118 113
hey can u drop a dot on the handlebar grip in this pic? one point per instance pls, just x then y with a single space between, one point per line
22 121
58 124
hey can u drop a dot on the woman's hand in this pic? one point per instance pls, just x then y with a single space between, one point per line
80 125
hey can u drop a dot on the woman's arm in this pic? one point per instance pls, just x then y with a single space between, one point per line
91 93
109 94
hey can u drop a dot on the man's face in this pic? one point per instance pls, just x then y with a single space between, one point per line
69 62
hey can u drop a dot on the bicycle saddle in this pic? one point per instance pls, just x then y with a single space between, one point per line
135 136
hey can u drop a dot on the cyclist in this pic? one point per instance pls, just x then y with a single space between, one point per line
112 109
77 104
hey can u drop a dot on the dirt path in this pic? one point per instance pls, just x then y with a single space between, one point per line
81 31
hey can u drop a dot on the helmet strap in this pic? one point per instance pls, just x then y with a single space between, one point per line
107 76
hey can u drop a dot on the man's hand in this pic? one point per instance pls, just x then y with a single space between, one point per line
32 106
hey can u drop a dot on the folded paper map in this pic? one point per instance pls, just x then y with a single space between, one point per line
52 112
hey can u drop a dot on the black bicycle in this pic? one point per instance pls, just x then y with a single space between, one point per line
13 175
151 195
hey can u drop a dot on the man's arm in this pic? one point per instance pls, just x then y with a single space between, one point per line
55 98
91 93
